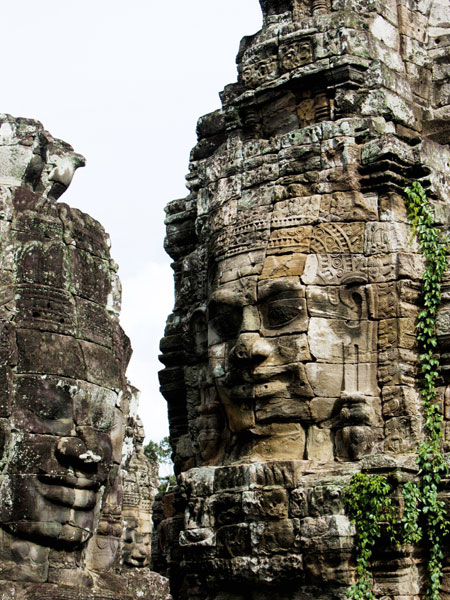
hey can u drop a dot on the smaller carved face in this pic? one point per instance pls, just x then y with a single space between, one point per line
295 55
137 536
256 73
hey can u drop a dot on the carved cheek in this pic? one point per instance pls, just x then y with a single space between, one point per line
218 359
106 467
209 443
105 445
287 350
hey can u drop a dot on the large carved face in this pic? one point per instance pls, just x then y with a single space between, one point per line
282 354
58 458
63 358
257 369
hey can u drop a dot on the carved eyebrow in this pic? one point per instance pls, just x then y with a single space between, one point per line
225 296
241 293
277 286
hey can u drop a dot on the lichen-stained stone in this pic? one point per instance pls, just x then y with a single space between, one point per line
76 490
291 357
48 353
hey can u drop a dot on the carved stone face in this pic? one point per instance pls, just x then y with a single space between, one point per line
292 354
258 375
61 445
136 548
63 358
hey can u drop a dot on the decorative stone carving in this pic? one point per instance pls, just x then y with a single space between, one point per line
140 485
294 363
70 441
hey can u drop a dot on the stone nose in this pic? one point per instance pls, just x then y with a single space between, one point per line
251 347
84 448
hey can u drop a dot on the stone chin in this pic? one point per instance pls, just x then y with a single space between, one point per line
139 561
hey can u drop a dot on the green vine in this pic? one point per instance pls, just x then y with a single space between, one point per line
368 502
431 462
368 497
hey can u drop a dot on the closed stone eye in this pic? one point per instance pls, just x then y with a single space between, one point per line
282 311
225 320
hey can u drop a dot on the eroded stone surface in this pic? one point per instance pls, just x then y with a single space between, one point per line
290 354
75 487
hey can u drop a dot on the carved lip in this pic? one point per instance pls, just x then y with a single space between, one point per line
70 481
264 389
259 384
259 375
140 561
71 497
74 492
269 388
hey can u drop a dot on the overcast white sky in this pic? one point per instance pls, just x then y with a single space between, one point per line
124 83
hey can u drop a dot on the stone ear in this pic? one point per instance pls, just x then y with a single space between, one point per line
198 333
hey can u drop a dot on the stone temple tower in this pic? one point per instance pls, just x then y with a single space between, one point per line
75 486
290 356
